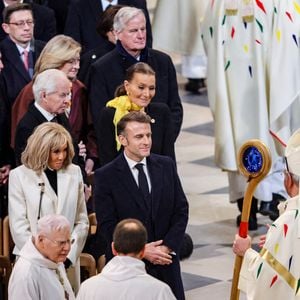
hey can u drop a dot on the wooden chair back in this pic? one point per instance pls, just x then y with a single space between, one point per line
6 262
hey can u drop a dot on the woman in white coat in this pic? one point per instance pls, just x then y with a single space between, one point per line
48 183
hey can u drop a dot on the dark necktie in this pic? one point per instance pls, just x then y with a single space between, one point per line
142 181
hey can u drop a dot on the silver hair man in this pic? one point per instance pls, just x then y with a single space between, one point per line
124 15
47 82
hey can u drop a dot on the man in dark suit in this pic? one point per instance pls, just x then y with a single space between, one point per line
6 153
108 72
44 20
83 16
52 91
144 186
19 51
5 157
104 29
61 10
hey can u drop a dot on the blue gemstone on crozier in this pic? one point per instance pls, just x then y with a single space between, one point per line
252 160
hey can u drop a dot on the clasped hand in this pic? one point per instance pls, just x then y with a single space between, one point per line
157 253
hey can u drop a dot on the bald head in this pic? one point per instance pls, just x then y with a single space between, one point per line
130 237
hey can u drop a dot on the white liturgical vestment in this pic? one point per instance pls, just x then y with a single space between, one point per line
253 76
274 273
124 278
36 277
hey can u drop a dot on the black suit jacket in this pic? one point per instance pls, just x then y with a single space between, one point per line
117 197
90 57
83 17
60 8
26 126
14 74
45 23
161 127
108 72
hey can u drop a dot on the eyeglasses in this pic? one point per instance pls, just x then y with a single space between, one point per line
21 24
61 244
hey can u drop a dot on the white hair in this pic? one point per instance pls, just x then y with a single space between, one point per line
124 15
50 223
47 81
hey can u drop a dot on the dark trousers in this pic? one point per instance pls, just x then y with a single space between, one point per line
170 274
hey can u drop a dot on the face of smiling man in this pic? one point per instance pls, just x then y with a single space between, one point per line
136 140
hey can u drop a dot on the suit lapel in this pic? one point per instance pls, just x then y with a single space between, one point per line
13 56
64 182
125 178
37 114
156 176
49 192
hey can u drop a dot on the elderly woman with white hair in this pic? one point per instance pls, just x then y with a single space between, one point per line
39 272
48 183
274 272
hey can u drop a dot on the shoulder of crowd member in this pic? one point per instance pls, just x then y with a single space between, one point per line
158 107
45 15
105 59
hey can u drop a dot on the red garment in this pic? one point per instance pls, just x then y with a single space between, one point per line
79 118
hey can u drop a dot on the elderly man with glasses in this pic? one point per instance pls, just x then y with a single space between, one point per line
274 272
39 272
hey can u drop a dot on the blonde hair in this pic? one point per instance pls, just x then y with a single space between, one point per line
45 138
58 51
